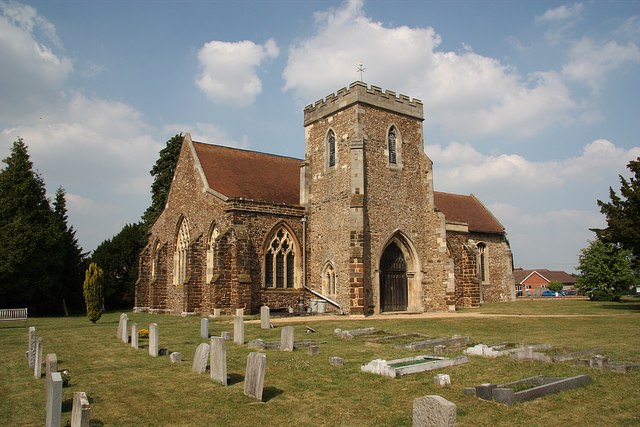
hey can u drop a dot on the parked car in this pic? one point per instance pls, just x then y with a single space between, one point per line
550 293
571 292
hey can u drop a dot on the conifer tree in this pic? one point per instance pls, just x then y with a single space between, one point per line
92 289
162 173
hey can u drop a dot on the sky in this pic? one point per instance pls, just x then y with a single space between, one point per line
533 106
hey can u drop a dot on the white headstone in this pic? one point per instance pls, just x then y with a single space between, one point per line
238 330
442 379
286 338
201 358
433 411
153 339
204 327
254 376
37 364
32 346
218 362
54 400
240 312
81 412
135 336
51 364
217 312
265 317
124 333
121 325
175 357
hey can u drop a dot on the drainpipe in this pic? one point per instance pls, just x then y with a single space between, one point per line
304 251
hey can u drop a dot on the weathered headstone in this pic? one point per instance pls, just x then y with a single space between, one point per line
433 411
226 335
265 317
240 312
238 329
175 357
81 412
204 327
135 336
442 379
218 362
32 346
201 358
121 325
336 361
217 312
313 350
254 376
124 333
286 338
153 339
37 364
51 364
54 400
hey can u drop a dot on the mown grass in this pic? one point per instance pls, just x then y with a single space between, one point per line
128 387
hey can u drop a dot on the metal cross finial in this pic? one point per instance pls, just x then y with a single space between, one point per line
361 69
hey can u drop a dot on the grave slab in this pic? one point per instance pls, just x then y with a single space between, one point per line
433 411
286 338
81 412
54 400
37 366
153 340
135 336
201 358
265 314
32 346
204 327
175 357
121 325
51 364
254 376
238 329
218 362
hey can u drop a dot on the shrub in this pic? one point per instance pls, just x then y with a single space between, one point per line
93 284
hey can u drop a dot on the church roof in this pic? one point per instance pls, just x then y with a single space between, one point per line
237 173
469 210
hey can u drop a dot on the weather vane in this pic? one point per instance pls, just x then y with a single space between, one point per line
361 69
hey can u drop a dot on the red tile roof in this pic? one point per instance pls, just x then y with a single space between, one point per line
469 210
250 175
551 275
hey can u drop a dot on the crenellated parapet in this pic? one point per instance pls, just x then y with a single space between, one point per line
359 92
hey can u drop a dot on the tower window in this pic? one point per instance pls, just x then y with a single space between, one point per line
391 137
331 148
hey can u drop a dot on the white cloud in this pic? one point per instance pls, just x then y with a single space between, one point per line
490 98
590 61
229 70
209 133
561 13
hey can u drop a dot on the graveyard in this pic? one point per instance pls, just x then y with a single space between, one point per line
309 370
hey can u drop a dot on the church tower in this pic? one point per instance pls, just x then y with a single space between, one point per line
375 243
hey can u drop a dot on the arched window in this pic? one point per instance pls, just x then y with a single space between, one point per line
391 139
180 256
211 250
280 261
155 260
329 281
331 148
482 262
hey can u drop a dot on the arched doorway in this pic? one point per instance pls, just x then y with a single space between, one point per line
393 280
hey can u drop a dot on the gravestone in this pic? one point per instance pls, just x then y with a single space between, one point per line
313 350
81 412
265 317
54 400
32 346
218 362
121 325
226 335
286 338
124 333
238 329
201 358
240 312
175 357
442 379
37 364
204 327
254 375
217 312
51 364
336 361
153 339
433 411
135 336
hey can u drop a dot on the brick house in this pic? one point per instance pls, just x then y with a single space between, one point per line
534 282
356 224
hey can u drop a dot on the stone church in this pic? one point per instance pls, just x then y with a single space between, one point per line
355 226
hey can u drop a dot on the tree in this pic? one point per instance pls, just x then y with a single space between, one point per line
623 213
162 173
555 286
605 270
31 258
92 290
118 258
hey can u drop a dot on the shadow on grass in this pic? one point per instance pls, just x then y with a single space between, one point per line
95 423
623 305
234 379
269 393
67 405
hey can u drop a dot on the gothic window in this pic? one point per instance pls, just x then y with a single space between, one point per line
180 256
211 250
280 261
482 262
331 148
155 260
329 281
391 138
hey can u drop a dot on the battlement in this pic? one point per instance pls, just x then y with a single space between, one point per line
359 92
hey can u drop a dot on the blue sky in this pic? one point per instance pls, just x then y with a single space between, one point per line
532 106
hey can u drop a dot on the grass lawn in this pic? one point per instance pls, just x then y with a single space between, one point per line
127 387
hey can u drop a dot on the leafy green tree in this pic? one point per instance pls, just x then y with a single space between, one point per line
162 173
74 260
555 286
118 258
623 213
92 290
31 258
605 270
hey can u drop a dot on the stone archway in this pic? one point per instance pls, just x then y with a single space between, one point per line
394 294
